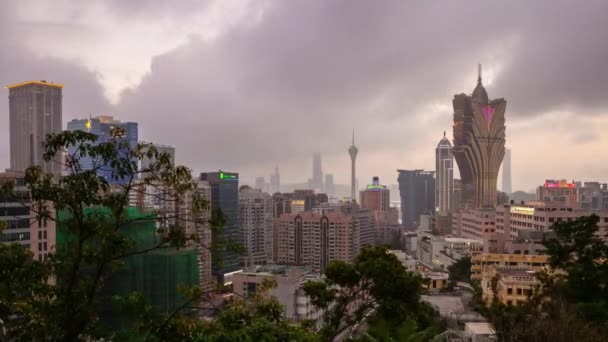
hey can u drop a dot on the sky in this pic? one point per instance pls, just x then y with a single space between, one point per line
247 85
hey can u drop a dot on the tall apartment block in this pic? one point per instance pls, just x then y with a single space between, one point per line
314 240
35 110
255 221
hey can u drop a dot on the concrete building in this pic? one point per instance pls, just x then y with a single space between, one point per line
330 187
35 110
161 148
444 177
479 224
593 196
105 128
521 228
317 174
352 152
479 145
440 252
255 221
375 196
19 217
315 240
275 181
506 173
224 188
480 263
479 332
559 192
513 285
289 293
417 190
388 227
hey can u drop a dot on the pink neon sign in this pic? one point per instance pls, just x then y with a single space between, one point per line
488 113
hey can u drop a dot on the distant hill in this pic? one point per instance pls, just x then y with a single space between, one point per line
519 196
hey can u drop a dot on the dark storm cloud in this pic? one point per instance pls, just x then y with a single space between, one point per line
311 70
305 75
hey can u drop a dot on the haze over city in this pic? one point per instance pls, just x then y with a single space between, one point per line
247 85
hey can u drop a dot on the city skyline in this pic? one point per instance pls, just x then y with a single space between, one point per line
394 130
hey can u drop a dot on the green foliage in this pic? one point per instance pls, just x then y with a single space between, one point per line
571 304
460 271
376 286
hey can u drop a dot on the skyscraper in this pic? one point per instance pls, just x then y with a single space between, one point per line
275 181
317 173
225 197
444 173
103 127
35 110
330 188
168 149
352 151
255 222
417 190
506 173
479 145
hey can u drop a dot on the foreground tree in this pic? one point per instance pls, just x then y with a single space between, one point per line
59 298
571 304
375 288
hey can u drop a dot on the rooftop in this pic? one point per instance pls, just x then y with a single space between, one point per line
479 328
43 83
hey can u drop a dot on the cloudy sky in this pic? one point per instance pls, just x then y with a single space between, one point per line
246 85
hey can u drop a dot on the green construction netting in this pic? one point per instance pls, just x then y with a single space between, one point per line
155 274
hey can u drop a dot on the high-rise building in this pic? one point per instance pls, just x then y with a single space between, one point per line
20 220
104 127
317 173
375 197
168 149
314 240
275 181
506 173
479 145
35 110
255 220
352 151
225 197
444 173
417 189
260 183
330 188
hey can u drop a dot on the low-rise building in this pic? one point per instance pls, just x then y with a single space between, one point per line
508 285
289 280
481 262
479 332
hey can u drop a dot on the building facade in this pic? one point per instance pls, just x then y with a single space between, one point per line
479 145
506 173
352 152
559 192
317 173
255 220
444 177
289 292
417 190
315 240
35 110
375 196
105 128
224 187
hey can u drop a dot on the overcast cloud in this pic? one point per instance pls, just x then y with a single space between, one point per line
246 85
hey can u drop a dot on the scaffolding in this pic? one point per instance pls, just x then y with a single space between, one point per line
155 274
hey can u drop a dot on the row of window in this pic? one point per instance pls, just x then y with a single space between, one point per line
8 237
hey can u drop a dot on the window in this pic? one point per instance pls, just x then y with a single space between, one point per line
519 291
45 234
509 291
